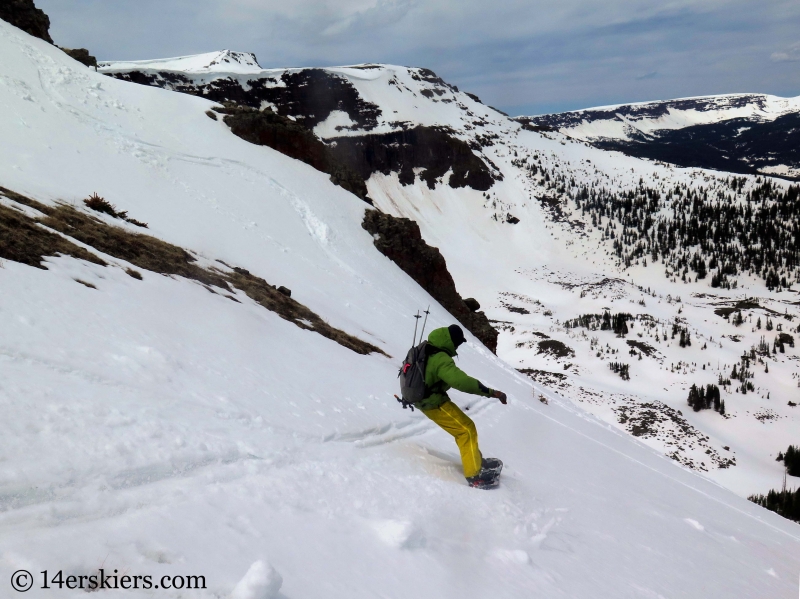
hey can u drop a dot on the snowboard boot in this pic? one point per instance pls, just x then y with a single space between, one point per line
491 465
482 481
489 476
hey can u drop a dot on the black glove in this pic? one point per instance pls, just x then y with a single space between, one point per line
499 395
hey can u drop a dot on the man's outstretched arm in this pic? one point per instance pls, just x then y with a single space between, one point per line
461 381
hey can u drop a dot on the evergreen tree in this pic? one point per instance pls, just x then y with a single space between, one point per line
786 503
620 325
694 398
729 233
791 459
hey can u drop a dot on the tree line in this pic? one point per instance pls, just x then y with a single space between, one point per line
724 232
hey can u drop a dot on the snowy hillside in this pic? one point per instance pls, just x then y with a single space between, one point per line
742 133
166 426
555 230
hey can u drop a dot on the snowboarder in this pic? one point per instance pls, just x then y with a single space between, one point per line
442 374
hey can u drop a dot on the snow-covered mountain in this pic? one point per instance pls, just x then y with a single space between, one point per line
224 61
359 98
632 121
197 424
740 133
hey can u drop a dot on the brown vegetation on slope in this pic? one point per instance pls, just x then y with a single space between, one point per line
24 239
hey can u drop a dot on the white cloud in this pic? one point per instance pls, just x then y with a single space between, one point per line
790 54
380 14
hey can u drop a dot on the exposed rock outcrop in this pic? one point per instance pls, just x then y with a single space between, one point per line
310 96
265 128
431 148
81 55
400 240
472 304
25 15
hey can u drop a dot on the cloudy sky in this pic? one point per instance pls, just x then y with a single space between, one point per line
522 56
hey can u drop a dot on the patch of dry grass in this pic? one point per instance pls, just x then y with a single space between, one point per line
284 306
23 240
144 251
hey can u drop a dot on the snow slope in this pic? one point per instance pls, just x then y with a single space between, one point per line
554 265
532 276
157 429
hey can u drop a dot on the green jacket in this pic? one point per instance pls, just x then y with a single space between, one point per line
442 374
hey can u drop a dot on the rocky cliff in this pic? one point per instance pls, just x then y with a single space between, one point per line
400 240
25 15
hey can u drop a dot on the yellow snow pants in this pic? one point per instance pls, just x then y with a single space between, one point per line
450 417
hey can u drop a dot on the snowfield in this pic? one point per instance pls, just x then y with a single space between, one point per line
154 428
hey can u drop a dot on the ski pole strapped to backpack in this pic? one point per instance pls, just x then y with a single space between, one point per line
412 372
